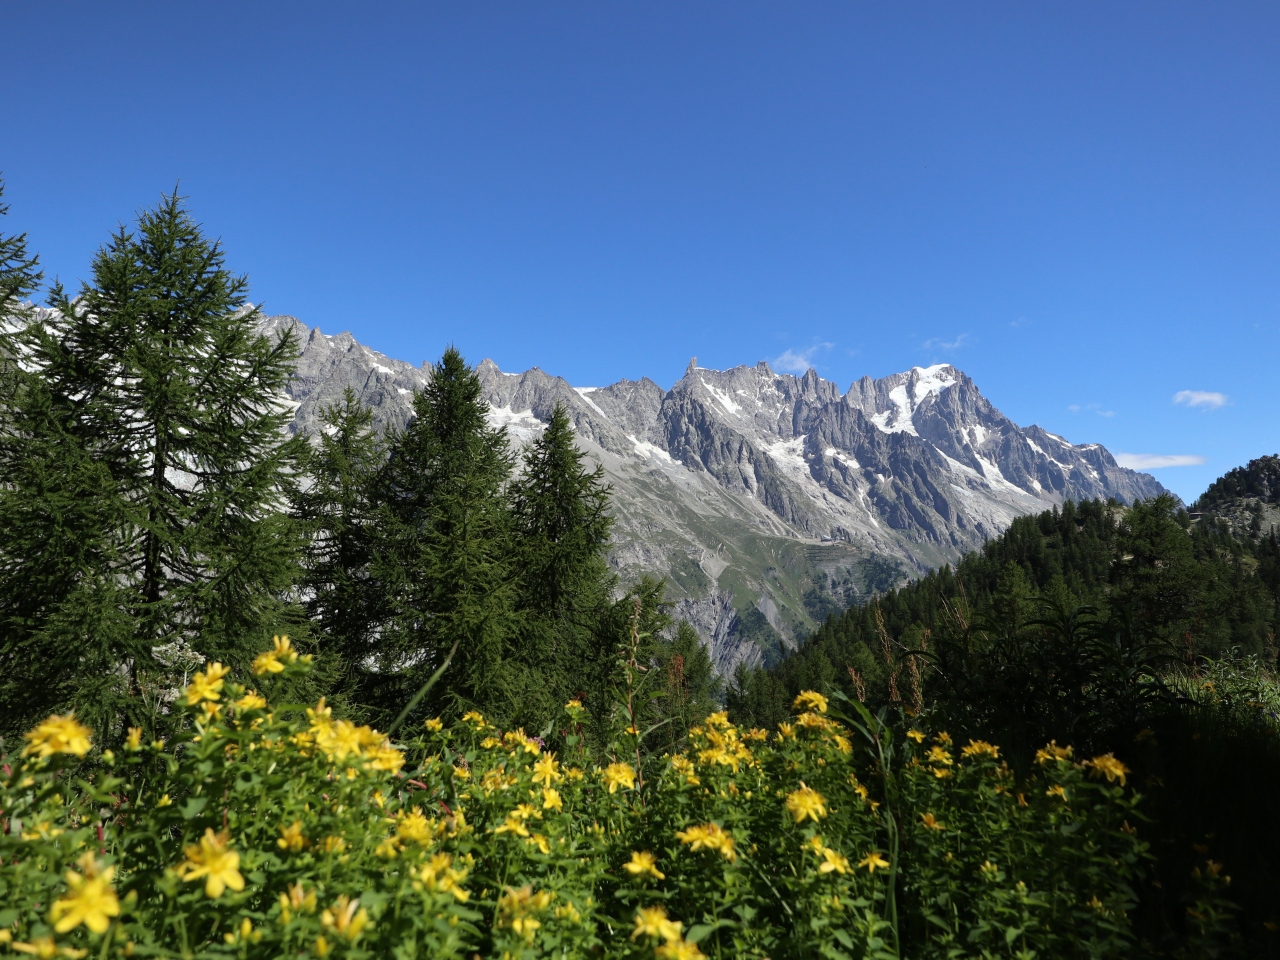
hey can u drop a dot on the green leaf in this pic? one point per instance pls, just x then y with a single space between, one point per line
194 807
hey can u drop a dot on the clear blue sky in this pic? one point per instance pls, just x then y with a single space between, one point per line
1076 203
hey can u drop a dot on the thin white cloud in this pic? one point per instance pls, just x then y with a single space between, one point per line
937 343
1155 461
798 361
1209 399
1092 408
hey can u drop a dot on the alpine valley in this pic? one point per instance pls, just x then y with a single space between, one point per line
766 500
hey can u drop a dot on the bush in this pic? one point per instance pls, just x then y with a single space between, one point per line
264 832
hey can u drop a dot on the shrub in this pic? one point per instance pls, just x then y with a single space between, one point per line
270 832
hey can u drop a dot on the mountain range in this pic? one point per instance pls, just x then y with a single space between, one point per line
766 500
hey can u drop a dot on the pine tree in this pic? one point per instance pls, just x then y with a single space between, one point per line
561 524
443 571
147 442
339 509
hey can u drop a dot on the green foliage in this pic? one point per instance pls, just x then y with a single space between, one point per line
443 567
143 472
261 832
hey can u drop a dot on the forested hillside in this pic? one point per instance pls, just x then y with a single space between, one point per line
1194 585
1149 632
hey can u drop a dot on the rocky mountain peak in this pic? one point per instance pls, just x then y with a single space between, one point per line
748 488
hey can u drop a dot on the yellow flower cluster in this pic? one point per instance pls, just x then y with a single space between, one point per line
832 861
213 860
709 836
1052 752
90 898
345 918
806 802
654 923
342 740
275 660
440 875
206 685
516 909
644 863
980 748
619 775
58 734
1108 766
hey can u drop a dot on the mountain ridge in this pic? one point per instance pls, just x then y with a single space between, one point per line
764 498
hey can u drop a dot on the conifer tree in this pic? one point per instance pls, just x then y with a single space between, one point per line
146 443
339 508
443 571
19 272
561 523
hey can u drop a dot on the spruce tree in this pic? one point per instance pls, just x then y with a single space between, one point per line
19 271
339 509
561 523
146 442
443 573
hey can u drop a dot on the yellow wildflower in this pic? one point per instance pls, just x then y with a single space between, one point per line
786 731
250 701
513 824
346 917
1056 790
978 748
46 947
620 775
810 700
133 741
873 861
546 770
435 724
1107 765
440 875
643 862
291 837
211 859
541 842
940 756
551 799
414 827
516 909
916 735
842 743
832 862
488 743
653 922
1053 752
806 802
164 801
58 734
710 836
273 660
206 685
814 721
90 899
475 718
931 822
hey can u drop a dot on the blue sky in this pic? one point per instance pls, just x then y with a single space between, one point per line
1077 204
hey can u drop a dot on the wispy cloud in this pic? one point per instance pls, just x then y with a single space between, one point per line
1092 408
1155 461
1209 399
937 343
798 361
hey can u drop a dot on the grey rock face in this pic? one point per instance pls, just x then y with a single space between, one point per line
741 486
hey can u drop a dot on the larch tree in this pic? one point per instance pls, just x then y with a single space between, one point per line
145 471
